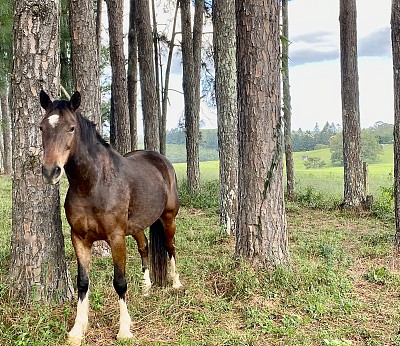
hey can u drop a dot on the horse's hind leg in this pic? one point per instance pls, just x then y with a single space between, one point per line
143 249
168 221
83 254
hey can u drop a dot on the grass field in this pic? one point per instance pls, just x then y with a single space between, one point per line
342 287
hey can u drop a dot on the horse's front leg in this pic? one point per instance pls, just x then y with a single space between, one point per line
118 250
83 255
143 249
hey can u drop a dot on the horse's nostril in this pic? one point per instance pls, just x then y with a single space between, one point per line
56 172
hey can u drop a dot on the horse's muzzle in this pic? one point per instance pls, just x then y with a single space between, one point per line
52 173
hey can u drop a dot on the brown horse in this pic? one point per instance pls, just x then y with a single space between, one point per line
109 197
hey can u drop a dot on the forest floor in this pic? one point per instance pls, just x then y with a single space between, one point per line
342 288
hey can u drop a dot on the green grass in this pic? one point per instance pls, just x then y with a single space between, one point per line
340 289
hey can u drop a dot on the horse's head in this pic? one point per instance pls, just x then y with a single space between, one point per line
58 129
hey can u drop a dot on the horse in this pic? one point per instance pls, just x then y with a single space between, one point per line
109 197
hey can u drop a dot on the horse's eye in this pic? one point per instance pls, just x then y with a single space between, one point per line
72 129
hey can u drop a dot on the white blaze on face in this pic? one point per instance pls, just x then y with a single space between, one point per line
53 119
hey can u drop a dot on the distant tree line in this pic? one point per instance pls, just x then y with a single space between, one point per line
379 133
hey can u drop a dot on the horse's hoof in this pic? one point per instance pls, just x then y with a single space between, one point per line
123 335
176 283
74 341
146 291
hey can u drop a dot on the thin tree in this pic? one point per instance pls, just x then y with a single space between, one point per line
191 87
38 269
147 79
354 194
395 25
132 73
164 99
224 25
262 236
287 107
6 131
120 138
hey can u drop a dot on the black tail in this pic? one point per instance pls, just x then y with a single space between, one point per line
158 254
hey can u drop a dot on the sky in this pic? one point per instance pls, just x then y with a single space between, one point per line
315 65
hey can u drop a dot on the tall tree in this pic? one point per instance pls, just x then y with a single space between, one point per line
287 107
261 229
354 194
85 58
132 73
224 22
119 95
191 87
147 79
38 269
6 131
395 24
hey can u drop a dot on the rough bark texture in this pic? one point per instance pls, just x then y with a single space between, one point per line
287 107
6 132
395 23
354 195
38 268
192 116
120 117
224 23
132 74
261 230
85 58
147 79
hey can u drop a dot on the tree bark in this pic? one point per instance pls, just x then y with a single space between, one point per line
38 269
132 73
262 236
85 58
224 22
6 131
395 33
354 195
147 79
287 107
190 90
120 117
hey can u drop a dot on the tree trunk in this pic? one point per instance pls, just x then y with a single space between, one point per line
354 195
132 73
147 80
38 269
224 22
164 105
99 9
395 24
287 107
261 230
120 117
6 131
190 92
84 55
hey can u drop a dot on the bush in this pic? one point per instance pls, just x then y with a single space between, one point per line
206 198
314 162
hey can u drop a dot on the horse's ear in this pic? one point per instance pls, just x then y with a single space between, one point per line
75 101
45 101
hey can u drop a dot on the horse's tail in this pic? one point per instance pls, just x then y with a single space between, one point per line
158 254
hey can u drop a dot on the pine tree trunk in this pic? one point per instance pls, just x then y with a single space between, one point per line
132 73
120 117
147 79
261 230
84 56
354 194
6 131
191 108
224 22
395 24
38 269
287 107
